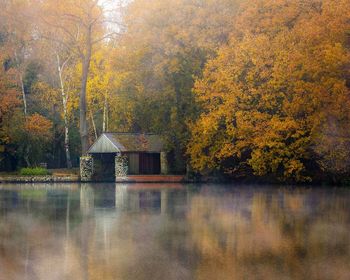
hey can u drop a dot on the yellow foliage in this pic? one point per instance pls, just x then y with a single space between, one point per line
270 94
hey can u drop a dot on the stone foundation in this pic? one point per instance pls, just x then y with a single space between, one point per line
86 168
121 166
38 179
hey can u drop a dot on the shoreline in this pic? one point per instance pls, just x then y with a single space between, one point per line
170 179
20 179
39 179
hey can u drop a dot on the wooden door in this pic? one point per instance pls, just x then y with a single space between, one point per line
149 163
134 164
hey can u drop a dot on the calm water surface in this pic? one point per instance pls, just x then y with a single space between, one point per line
108 231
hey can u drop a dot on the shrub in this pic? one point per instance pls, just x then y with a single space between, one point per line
35 171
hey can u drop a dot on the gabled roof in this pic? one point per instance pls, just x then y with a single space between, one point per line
126 142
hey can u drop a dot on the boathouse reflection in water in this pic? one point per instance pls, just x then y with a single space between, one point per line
132 198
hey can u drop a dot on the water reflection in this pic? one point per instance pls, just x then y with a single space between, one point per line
151 231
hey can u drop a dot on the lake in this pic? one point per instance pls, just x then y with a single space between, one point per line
159 231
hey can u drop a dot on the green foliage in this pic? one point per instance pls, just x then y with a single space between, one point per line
33 194
34 171
31 76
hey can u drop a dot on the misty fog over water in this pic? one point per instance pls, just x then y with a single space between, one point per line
155 231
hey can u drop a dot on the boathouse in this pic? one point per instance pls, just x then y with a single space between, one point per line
118 155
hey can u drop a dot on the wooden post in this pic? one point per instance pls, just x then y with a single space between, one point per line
164 166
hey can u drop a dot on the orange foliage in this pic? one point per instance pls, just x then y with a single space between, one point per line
274 91
9 99
38 127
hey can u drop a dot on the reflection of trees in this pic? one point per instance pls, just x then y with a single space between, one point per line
32 249
239 235
147 197
124 243
87 199
104 243
271 236
40 217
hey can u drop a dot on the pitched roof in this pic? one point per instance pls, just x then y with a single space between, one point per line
126 142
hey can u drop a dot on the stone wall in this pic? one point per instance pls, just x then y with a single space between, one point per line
121 166
86 168
38 179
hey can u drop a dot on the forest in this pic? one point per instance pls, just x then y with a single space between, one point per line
237 89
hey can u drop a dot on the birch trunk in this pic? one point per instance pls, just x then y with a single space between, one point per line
65 112
86 58
23 94
93 124
105 116
107 119
22 85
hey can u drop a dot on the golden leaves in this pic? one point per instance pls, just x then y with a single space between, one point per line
269 92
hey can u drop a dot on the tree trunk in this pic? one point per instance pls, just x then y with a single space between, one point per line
107 119
66 142
23 95
22 85
178 153
26 155
93 124
105 116
65 117
85 72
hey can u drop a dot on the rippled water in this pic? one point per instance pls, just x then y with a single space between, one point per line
155 231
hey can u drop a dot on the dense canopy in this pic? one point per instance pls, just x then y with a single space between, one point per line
240 88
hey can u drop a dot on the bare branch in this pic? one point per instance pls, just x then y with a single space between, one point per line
66 45
109 35
61 27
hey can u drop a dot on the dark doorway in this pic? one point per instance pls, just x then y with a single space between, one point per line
104 167
149 163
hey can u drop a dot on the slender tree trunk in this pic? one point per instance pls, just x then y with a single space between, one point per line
23 95
20 76
104 119
179 121
107 119
82 103
93 124
105 116
65 113
66 142
86 58
26 155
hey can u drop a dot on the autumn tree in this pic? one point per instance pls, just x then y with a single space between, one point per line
80 27
37 134
164 46
30 133
9 94
57 63
269 97
17 19
102 84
